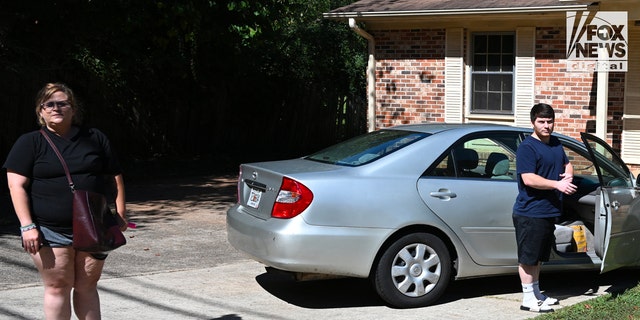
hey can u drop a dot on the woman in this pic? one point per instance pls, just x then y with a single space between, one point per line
43 201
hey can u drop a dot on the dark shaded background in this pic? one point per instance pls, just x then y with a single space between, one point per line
188 83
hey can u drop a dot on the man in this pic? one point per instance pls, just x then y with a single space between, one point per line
544 175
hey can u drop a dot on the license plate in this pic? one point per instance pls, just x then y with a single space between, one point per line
254 198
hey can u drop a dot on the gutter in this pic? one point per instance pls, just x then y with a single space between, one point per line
371 75
452 12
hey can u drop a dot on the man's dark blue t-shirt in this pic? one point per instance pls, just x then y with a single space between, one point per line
547 161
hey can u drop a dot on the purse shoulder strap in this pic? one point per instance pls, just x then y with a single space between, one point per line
64 164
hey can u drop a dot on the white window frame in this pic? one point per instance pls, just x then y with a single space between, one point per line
509 74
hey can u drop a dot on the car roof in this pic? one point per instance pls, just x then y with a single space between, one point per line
462 129
438 127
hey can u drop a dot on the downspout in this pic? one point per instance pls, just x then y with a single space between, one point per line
371 75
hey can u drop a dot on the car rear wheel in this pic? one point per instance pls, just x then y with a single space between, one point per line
413 272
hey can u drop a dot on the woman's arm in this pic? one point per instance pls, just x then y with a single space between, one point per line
121 206
18 185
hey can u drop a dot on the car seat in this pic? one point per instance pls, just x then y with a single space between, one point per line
497 166
501 170
565 240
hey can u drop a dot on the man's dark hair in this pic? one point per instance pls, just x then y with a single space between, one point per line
542 110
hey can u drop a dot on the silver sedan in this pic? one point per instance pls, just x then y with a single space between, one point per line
414 207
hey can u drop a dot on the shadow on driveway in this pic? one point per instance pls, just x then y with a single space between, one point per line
353 292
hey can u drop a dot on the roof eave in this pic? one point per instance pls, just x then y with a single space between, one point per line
451 12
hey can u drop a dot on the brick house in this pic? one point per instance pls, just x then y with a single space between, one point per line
489 61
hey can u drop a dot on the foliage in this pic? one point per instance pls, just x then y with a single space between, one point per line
193 77
610 306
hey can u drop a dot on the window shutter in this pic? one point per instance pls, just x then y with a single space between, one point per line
631 123
525 75
453 76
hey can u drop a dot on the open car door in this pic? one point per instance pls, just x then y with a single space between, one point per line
617 220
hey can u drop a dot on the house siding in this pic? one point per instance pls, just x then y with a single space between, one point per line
410 82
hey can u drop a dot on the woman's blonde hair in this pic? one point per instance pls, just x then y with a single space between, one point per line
45 94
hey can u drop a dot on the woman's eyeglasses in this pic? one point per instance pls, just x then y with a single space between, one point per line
48 106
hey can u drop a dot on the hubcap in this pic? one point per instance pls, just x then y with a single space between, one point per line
416 270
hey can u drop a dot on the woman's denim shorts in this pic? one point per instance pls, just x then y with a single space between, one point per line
55 239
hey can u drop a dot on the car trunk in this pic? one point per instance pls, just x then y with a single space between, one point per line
259 183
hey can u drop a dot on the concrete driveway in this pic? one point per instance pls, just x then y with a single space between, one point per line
178 265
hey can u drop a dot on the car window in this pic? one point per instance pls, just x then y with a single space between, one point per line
367 148
614 171
490 157
582 166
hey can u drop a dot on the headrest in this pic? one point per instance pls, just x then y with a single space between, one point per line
492 160
466 158
501 168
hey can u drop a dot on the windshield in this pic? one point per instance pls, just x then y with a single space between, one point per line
367 148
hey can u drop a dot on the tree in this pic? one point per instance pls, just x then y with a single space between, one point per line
189 78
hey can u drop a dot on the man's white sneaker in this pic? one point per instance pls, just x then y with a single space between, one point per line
551 301
537 306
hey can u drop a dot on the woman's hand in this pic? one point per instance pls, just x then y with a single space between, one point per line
31 241
122 222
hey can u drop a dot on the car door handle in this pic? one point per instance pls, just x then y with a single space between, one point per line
443 194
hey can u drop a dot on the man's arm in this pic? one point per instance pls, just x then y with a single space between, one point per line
565 185
568 170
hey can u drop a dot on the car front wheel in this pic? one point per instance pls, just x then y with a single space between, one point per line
413 272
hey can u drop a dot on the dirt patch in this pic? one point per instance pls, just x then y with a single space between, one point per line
197 198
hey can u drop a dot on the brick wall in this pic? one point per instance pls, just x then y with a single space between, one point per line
573 94
410 82
410 76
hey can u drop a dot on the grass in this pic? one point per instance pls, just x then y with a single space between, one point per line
625 305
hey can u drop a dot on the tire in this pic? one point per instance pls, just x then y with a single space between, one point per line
413 272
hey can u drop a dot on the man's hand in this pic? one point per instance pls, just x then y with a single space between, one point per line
566 185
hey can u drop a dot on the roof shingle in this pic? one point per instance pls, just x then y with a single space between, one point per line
440 5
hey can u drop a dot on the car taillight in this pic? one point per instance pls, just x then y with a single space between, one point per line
293 198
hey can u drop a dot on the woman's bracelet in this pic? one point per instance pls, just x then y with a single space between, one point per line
28 227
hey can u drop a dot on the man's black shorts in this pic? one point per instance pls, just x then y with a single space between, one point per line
535 238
